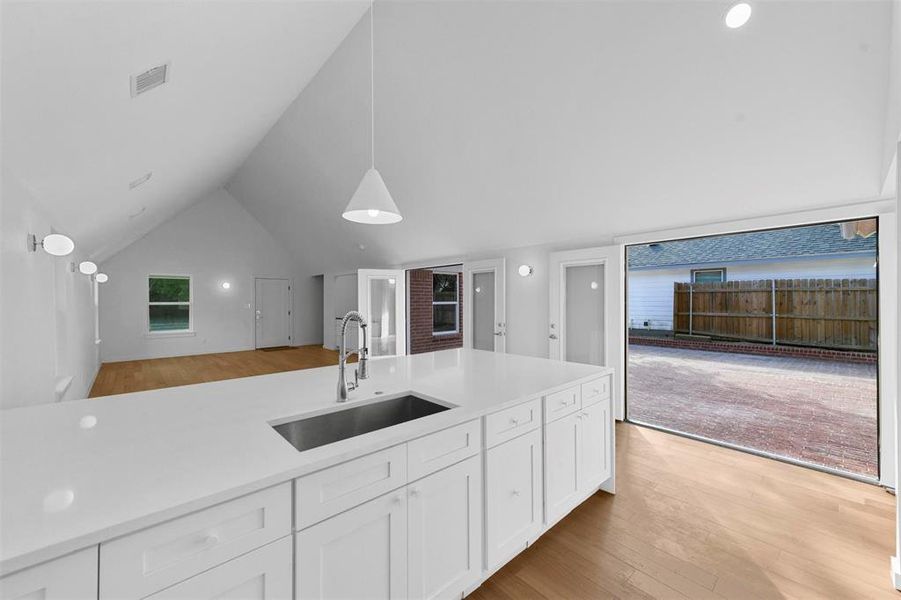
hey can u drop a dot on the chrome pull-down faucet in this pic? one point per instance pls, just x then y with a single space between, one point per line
362 370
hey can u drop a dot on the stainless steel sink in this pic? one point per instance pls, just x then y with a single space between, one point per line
320 430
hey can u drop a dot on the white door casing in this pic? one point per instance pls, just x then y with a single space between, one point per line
384 291
272 312
611 257
496 266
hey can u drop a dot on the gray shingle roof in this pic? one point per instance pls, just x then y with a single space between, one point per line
813 240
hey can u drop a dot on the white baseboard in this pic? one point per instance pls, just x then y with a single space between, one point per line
896 572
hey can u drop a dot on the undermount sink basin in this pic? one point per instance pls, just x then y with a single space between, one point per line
312 432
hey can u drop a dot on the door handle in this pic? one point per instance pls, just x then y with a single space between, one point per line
553 336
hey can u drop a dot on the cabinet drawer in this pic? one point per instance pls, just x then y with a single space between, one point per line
264 574
140 564
560 404
595 391
507 424
442 449
336 489
72 577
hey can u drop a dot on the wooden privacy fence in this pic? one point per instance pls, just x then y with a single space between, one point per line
824 313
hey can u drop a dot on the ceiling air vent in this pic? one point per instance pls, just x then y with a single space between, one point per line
149 79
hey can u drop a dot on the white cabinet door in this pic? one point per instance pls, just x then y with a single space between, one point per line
445 531
513 509
264 574
361 553
562 449
595 447
72 577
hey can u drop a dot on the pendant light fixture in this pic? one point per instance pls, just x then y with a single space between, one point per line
372 202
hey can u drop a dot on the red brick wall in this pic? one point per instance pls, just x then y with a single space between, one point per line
420 315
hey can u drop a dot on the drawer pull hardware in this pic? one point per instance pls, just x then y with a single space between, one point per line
514 421
414 492
397 499
515 492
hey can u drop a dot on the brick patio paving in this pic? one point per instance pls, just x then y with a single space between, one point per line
818 411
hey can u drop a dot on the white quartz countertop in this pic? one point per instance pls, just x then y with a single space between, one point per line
156 455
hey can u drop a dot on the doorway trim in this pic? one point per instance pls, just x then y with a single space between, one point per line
885 211
253 308
498 266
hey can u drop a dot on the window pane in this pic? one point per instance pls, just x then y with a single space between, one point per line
444 287
708 276
444 318
169 317
170 289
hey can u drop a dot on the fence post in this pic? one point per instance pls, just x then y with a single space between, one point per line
773 294
691 298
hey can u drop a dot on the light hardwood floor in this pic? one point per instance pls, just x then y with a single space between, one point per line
139 375
693 520
689 520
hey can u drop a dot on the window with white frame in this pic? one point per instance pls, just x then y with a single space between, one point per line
169 303
708 275
445 303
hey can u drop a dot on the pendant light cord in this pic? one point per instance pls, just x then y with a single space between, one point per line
372 80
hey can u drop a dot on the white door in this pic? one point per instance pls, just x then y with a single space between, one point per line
562 447
484 310
383 302
445 531
594 455
586 310
361 553
513 497
272 303
264 574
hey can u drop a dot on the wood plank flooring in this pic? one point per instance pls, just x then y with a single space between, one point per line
693 520
689 520
139 375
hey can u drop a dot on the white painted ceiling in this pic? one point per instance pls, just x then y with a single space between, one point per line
75 138
504 124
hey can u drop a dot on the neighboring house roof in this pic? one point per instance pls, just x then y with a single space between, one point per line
814 240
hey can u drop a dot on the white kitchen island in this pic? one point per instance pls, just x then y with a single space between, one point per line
189 492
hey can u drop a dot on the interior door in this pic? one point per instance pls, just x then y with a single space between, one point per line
383 302
484 310
586 300
272 301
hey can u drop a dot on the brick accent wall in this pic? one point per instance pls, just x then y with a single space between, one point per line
420 315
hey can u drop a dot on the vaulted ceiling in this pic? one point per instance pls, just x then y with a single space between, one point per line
75 138
498 123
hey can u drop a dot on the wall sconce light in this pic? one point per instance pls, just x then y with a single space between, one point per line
87 267
101 277
226 285
524 270
55 244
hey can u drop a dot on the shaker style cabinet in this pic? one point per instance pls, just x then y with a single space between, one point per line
360 553
445 531
72 577
513 497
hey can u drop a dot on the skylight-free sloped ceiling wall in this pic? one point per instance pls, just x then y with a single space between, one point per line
74 137
503 124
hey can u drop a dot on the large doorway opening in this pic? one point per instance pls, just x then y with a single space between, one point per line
766 341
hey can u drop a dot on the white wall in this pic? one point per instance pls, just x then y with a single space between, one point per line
650 291
47 312
214 240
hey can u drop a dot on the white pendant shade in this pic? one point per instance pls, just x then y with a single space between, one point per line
372 202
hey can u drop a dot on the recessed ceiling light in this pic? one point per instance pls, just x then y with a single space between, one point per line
738 15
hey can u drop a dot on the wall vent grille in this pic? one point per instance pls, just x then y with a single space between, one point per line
149 79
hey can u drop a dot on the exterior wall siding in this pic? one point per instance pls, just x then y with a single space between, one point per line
419 312
650 291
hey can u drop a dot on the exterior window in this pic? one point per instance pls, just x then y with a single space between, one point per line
708 275
445 303
169 303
